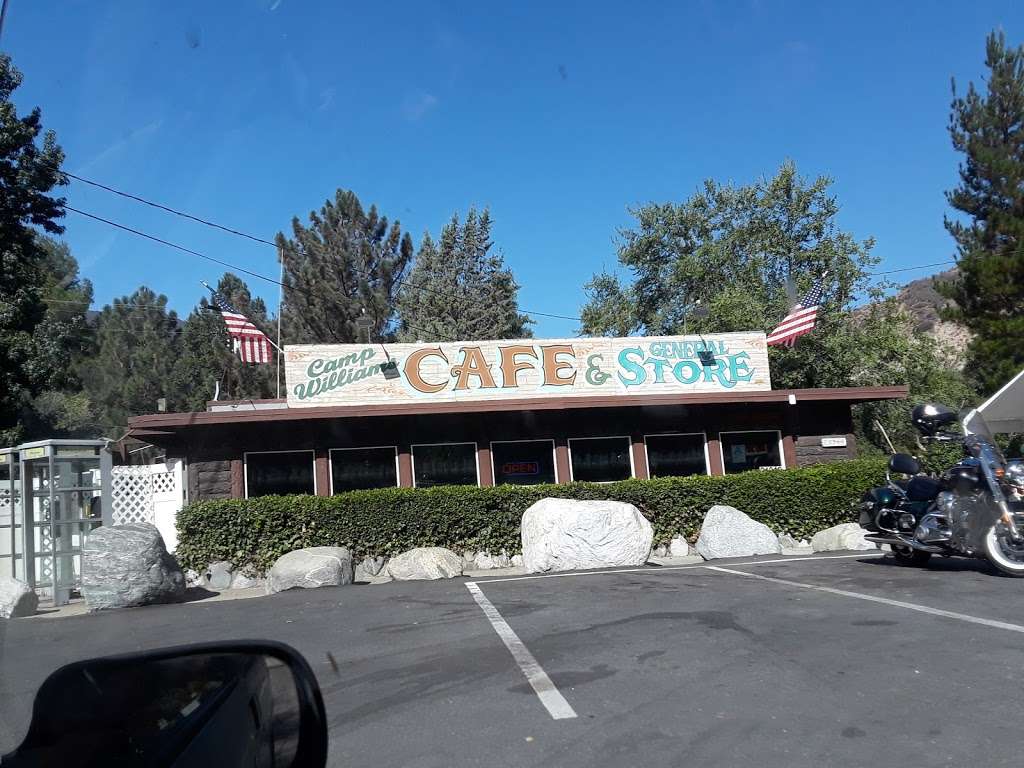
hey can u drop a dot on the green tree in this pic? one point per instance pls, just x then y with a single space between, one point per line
134 362
206 355
29 171
989 290
345 264
730 250
460 289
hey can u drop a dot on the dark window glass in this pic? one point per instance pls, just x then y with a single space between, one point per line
750 450
523 463
356 469
279 473
448 464
676 455
600 459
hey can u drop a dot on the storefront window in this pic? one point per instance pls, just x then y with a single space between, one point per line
523 462
750 450
356 469
676 455
600 459
444 464
279 472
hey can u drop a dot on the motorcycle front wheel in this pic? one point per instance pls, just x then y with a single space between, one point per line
1004 553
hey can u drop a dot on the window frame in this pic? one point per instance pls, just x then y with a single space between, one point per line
554 455
245 466
721 448
330 462
707 453
476 457
629 442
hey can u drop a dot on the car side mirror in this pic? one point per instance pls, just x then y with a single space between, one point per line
904 464
246 703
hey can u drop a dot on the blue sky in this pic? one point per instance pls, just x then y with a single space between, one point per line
556 115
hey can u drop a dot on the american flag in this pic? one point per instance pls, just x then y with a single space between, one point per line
250 343
801 318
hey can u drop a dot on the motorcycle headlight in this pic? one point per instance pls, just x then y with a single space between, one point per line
945 501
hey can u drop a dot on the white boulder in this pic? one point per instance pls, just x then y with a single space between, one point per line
425 563
563 535
678 547
310 568
124 566
839 537
16 599
727 532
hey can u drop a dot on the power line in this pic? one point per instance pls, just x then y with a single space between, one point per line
911 269
182 248
264 241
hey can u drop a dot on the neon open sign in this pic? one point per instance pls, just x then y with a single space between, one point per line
520 468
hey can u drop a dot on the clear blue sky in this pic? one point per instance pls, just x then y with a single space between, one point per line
556 115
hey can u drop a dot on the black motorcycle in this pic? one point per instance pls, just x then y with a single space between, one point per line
898 506
976 510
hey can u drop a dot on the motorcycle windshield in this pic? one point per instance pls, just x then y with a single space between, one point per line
974 424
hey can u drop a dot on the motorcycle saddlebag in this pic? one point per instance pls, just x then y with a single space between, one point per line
922 488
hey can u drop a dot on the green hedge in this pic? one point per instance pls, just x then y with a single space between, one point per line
255 532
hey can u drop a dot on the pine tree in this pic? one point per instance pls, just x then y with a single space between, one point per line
345 264
460 288
134 362
28 174
206 356
989 290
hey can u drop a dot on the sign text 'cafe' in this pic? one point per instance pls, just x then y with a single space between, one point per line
354 374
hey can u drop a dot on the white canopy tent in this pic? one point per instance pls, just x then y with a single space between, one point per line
1004 411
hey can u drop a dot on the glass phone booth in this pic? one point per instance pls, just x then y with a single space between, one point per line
11 532
65 494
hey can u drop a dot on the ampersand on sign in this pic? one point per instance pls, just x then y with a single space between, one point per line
594 373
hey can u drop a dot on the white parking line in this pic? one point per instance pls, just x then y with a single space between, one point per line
874 599
659 569
546 691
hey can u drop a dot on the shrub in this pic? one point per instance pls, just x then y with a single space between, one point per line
255 532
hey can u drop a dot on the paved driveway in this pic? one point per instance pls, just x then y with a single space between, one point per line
850 660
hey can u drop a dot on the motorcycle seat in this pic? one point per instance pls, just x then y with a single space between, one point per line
923 488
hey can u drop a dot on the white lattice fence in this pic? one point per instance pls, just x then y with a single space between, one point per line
132 495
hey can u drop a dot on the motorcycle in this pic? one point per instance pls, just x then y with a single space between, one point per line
977 509
898 506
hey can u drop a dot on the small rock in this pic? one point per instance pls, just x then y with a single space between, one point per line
193 579
678 547
727 532
788 542
239 580
840 537
372 565
469 557
310 568
517 561
660 551
425 563
17 599
502 560
484 562
218 575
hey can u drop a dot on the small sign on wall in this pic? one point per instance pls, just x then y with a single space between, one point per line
833 442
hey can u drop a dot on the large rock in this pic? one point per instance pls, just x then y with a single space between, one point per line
16 599
844 536
727 532
425 563
564 535
310 568
127 565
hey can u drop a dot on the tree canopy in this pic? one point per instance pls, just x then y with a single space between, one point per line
460 288
346 264
988 129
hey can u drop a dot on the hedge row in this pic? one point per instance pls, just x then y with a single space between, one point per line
255 532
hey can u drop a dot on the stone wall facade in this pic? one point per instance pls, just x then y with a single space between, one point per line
209 480
809 450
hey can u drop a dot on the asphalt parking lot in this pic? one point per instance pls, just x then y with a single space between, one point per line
849 660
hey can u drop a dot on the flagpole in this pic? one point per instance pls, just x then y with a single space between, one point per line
280 305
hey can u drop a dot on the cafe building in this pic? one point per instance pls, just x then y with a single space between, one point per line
527 411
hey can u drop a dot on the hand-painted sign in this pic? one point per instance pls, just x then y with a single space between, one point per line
361 374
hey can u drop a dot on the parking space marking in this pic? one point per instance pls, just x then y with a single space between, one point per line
546 691
873 599
661 568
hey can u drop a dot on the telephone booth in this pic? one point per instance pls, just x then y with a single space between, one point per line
11 534
65 494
